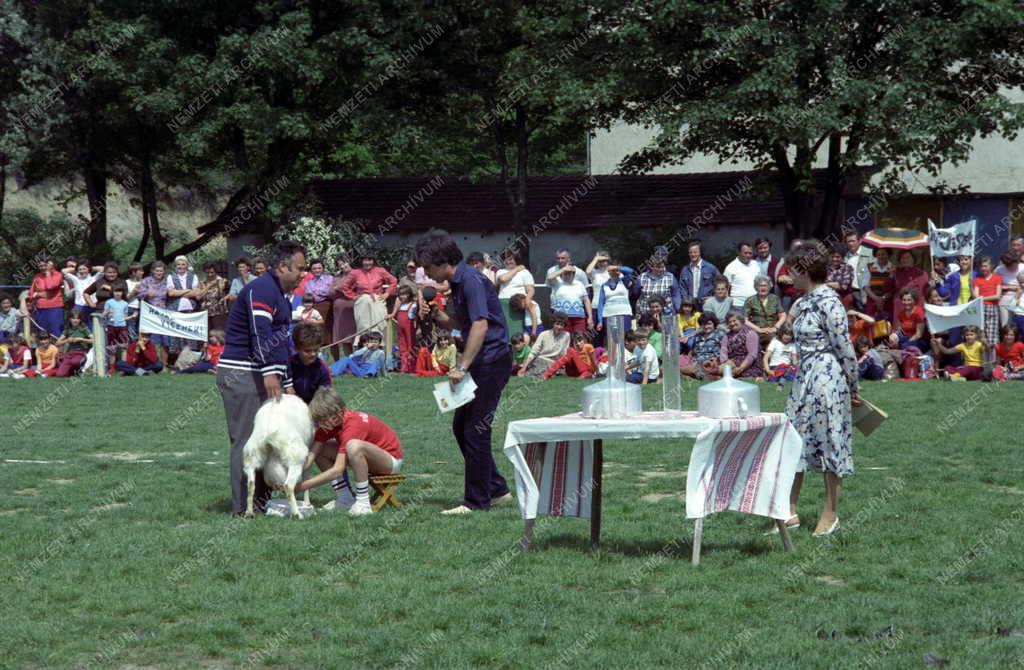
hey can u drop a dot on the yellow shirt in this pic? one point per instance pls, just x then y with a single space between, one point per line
965 290
691 322
47 357
972 354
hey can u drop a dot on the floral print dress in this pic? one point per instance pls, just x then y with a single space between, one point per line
819 401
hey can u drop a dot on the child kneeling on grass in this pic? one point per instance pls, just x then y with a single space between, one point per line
365 444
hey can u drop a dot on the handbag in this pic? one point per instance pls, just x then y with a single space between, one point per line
882 329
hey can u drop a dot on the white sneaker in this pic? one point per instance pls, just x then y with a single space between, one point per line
506 499
360 508
345 499
461 509
139 372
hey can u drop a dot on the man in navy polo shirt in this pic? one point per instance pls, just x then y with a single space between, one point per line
486 357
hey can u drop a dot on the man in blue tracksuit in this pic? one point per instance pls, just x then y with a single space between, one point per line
486 356
254 365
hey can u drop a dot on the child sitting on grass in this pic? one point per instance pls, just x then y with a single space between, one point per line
46 356
578 361
973 349
438 362
140 358
309 373
76 341
651 325
869 363
1009 355
367 361
641 361
211 355
689 322
548 347
780 356
705 349
364 443
20 356
520 352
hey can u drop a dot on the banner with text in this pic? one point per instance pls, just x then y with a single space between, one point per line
955 241
942 318
189 325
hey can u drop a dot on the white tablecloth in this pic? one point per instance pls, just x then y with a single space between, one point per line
744 465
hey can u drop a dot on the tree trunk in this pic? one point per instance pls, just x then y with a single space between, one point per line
834 181
145 228
522 164
96 191
149 206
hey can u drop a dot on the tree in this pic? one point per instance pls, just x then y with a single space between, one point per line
894 86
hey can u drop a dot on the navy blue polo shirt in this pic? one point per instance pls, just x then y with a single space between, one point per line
475 297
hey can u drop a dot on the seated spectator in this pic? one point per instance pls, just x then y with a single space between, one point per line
764 311
520 352
306 312
367 361
705 349
438 362
719 303
655 307
8 318
532 324
211 355
688 321
861 325
47 355
364 444
140 358
1009 355
880 286
641 362
579 361
76 341
869 363
547 348
647 323
910 321
740 347
309 373
973 349
780 357
20 356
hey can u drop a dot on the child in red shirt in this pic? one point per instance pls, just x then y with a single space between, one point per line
579 361
364 442
140 358
211 357
987 286
1009 355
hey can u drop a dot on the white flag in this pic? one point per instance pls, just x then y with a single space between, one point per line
955 241
188 325
942 318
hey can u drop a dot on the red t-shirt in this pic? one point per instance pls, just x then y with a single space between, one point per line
365 427
908 322
988 288
1012 355
213 352
860 327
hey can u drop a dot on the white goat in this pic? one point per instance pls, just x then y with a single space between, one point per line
281 435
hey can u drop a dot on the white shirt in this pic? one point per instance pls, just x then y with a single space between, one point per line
568 297
581 276
859 262
695 273
185 305
645 356
79 284
779 353
741 278
528 318
1009 278
131 284
516 285
762 265
616 300
597 280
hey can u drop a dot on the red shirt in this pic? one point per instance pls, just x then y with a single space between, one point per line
1012 355
47 290
213 352
988 288
908 322
860 327
359 282
140 358
365 427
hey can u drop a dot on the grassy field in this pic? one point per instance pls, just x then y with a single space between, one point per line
119 553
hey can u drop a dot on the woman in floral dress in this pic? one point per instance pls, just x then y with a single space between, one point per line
826 383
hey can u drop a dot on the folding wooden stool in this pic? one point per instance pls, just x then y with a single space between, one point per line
384 491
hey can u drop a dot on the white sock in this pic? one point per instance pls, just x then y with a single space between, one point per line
363 492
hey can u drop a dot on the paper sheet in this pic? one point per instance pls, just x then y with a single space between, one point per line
447 399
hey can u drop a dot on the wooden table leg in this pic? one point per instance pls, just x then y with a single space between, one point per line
527 540
595 510
787 544
698 531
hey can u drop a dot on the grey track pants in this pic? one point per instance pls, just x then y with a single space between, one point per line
242 392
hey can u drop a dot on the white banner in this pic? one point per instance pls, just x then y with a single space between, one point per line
188 325
941 319
955 241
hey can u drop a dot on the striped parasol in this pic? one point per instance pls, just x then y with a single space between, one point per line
896 238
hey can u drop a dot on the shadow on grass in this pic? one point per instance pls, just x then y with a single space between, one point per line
681 549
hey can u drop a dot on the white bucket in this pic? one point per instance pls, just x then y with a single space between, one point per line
279 507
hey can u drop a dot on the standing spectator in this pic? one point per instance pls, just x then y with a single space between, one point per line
563 259
81 279
697 279
657 282
597 271
8 318
100 291
254 365
718 303
987 286
114 314
153 290
840 278
941 271
76 341
135 274
741 273
140 358
404 316
1017 245
513 279
859 258
47 298
259 266
767 264
342 308
244 269
213 297
1007 270
480 262
958 286
908 275
319 286
765 315
486 357
880 287
409 279
183 294
570 297
369 286
788 291
611 297
740 347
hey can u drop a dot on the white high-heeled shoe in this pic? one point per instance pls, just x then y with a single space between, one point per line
831 529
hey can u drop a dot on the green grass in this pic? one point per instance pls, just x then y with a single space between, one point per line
112 563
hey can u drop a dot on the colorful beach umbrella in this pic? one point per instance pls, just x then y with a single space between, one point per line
896 238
